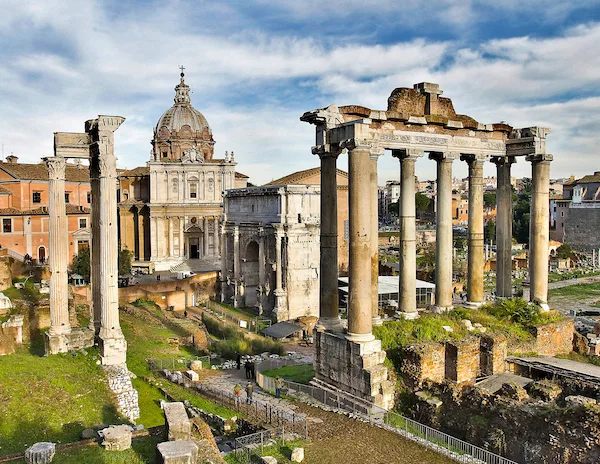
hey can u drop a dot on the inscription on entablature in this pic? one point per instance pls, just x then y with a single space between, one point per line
438 141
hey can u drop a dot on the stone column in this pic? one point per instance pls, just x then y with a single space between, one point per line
216 242
374 213
96 301
329 318
181 239
58 250
236 263
261 270
359 202
171 248
224 274
539 229
407 258
443 248
113 347
504 215
476 261
205 235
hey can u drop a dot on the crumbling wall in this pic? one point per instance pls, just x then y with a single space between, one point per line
422 362
493 350
462 359
555 338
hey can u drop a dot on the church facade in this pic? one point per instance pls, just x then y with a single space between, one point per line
170 210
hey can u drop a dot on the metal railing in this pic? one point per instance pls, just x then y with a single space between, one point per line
253 324
157 364
411 429
250 448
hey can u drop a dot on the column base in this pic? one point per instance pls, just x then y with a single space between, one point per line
442 309
360 338
376 321
330 324
474 304
280 310
409 316
543 306
353 367
76 339
113 350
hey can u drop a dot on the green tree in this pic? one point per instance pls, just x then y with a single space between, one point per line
81 263
564 251
421 202
489 231
394 208
489 199
125 258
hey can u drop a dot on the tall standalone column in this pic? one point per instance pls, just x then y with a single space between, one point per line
539 229
329 318
280 294
407 258
476 261
224 272
96 303
374 209
359 294
59 251
504 216
113 347
443 248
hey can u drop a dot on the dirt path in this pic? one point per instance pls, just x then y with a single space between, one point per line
335 438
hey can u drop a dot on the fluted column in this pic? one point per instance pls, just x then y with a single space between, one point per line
58 245
374 213
216 241
476 261
359 298
223 263
236 263
443 249
280 293
171 248
96 303
329 318
504 216
181 238
407 257
205 235
539 229
261 270
113 346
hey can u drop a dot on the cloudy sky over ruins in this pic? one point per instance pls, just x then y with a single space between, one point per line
255 66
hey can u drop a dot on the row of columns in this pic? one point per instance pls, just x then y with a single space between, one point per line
104 247
363 223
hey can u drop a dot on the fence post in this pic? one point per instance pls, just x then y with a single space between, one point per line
283 434
262 443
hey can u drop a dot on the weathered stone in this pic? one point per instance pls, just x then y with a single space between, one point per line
116 438
513 391
297 455
268 460
40 453
196 365
177 452
468 324
192 375
554 338
178 424
88 433
543 390
580 400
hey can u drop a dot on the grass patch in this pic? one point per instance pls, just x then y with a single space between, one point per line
578 291
299 373
573 356
281 452
142 451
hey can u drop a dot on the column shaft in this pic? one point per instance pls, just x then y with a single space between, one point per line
328 285
181 239
475 260
443 249
223 263
504 216
96 310
407 257
205 235
216 242
278 274
359 298
171 247
539 229
59 251
374 239
261 271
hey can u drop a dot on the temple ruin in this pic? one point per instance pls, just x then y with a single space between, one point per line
417 121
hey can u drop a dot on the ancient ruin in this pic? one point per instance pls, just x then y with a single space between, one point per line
417 121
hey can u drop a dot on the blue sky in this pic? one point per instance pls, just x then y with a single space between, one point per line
255 66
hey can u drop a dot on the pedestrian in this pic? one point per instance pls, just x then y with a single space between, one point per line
252 368
278 387
238 360
247 368
158 277
185 314
237 390
249 390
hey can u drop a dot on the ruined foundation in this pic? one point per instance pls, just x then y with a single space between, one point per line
76 339
353 367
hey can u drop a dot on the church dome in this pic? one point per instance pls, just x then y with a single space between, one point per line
181 127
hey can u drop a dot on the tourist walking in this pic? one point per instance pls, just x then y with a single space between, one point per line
278 387
238 360
247 368
252 368
237 390
249 390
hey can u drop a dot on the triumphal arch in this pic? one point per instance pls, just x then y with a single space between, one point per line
417 121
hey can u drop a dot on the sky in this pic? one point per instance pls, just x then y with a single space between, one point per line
255 66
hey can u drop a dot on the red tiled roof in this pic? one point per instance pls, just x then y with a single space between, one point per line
39 171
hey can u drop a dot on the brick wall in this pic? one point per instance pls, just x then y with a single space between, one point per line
462 359
581 228
555 338
493 353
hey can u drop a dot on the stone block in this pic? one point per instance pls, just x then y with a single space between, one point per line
40 453
555 338
192 375
462 359
268 460
493 352
178 423
116 438
297 455
177 452
196 365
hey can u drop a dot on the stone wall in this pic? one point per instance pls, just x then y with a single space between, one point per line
423 362
77 339
581 228
462 359
555 338
119 381
493 350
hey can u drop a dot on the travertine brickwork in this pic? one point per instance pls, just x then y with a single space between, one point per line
555 338
119 381
462 359
493 353
423 362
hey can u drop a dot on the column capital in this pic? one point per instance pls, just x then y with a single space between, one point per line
56 167
477 158
408 153
357 143
541 158
444 156
503 160
326 151
377 151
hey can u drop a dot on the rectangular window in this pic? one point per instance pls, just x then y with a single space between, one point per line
89 197
67 194
37 197
7 226
83 223
193 190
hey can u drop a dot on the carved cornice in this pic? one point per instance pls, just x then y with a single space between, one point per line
503 160
56 167
326 151
541 158
357 143
444 156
